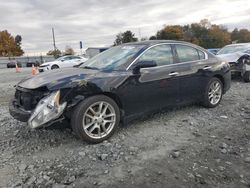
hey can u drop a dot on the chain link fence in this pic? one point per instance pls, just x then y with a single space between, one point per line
24 61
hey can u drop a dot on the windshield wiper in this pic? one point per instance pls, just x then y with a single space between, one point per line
88 67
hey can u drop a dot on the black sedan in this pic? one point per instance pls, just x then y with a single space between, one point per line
13 64
121 84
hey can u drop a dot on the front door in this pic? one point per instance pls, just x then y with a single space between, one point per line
155 87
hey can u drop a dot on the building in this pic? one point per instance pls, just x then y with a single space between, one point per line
92 51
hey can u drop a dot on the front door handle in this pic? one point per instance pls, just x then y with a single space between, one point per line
207 67
173 74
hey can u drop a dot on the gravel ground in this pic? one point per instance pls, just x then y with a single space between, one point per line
185 147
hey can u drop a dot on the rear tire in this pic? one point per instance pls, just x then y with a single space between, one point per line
246 76
95 119
54 67
213 93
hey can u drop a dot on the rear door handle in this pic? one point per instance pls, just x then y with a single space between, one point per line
173 74
207 67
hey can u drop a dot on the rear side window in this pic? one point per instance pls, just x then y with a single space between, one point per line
187 53
161 54
201 54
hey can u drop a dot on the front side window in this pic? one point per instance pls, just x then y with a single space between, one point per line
186 53
67 58
75 57
161 54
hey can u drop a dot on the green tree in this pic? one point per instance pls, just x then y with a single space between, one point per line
203 33
69 51
10 46
153 38
125 37
144 38
171 32
218 37
199 34
235 35
242 35
56 53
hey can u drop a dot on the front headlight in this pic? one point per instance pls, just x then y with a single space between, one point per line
49 108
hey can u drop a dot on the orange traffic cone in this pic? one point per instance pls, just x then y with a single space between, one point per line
17 69
34 71
37 71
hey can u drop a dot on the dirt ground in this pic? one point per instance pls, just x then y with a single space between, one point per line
186 147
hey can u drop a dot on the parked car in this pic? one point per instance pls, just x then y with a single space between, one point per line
121 84
35 63
238 56
62 62
12 64
213 50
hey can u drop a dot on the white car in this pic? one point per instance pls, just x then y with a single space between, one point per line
62 62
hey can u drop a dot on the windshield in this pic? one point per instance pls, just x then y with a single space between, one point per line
113 58
233 49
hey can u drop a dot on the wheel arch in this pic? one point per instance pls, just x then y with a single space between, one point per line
220 77
54 64
118 101
115 97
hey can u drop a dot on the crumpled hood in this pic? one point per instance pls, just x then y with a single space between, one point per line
61 78
233 57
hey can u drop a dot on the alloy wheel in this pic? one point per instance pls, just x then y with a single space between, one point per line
99 119
215 92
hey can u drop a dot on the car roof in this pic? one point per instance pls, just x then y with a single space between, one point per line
154 42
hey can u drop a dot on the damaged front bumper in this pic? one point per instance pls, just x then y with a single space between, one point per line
18 113
47 110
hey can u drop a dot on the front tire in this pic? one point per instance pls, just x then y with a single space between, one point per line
213 93
54 67
246 76
95 119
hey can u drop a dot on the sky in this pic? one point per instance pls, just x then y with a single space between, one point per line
97 22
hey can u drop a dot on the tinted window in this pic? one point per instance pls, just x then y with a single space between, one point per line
67 58
161 54
75 57
187 53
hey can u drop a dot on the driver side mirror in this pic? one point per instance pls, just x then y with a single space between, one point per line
143 64
62 60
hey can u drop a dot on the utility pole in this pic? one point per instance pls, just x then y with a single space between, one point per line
139 32
54 41
81 47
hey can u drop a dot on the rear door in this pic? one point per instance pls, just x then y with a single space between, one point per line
193 66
